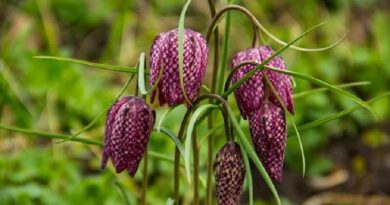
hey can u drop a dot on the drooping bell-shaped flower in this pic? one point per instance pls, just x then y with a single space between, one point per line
164 55
268 130
128 126
250 95
229 174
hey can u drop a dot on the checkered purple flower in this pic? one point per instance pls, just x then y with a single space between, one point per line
229 174
250 95
268 129
128 126
164 54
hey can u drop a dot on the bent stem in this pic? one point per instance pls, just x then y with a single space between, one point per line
257 24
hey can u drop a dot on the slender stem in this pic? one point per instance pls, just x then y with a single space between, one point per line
176 185
256 33
144 178
195 150
181 135
210 123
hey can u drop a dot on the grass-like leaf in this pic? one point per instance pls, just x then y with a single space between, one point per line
299 142
141 74
276 94
318 90
335 116
187 143
174 139
326 85
116 68
49 135
261 66
225 48
252 154
180 42
248 176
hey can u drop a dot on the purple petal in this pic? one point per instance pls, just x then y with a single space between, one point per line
268 130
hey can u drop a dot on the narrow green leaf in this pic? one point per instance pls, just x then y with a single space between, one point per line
276 39
141 74
116 68
49 135
205 88
299 142
252 154
180 42
188 141
160 74
313 91
248 176
335 116
324 84
174 139
261 66
225 47
275 92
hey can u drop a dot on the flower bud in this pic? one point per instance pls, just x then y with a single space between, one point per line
229 174
250 95
164 54
268 130
128 126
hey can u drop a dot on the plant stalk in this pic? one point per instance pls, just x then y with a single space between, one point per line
144 178
195 150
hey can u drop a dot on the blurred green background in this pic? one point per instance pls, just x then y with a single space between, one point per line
347 158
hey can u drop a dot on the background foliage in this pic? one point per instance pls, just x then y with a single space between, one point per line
347 156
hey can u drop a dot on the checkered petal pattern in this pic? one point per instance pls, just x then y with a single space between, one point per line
128 126
250 95
268 130
229 174
164 54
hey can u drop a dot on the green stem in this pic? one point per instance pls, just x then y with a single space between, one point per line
144 178
181 138
210 123
195 150
176 185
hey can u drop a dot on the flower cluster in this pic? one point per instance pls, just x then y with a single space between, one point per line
260 105
130 120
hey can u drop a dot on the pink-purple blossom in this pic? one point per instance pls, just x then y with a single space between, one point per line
128 126
164 55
